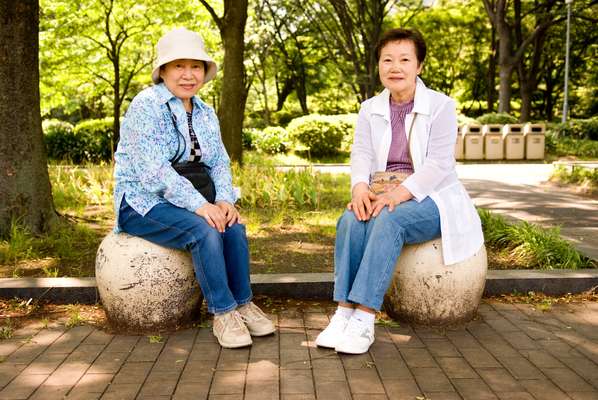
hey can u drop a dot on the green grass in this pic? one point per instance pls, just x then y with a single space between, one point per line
83 197
292 158
530 245
286 213
576 174
68 249
76 187
263 186
582 149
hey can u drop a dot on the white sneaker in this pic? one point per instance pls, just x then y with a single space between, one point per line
256 321
330 336
230 330
357 338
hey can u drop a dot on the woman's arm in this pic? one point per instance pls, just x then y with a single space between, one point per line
147 152
440 157
220 168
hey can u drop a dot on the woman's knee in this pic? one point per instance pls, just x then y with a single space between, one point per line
205 235
237 231
348 221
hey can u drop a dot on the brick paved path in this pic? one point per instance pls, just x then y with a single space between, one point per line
510 352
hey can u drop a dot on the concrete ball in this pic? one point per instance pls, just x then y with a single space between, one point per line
425 291
143 286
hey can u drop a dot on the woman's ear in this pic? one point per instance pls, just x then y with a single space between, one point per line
420 66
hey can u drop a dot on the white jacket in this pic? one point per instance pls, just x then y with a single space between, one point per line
432 149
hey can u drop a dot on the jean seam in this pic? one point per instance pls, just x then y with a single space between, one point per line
207 295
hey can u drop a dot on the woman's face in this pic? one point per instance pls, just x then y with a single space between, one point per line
398 68
183 77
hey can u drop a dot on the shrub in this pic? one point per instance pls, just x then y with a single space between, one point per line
59 138
568 146
95 136
284 116
320 135
247 137
496 118
576 174
464 119
271 140
577 128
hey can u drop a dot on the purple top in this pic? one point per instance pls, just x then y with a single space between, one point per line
398 154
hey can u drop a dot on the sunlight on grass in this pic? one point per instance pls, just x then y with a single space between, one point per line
290 219
531 245
76 187
291 158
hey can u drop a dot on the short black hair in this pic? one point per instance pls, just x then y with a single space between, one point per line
398 34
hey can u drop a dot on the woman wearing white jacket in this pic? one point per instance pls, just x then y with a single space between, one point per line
410 130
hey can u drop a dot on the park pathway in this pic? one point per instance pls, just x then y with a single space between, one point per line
511 351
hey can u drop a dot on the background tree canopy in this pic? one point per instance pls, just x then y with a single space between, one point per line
317 56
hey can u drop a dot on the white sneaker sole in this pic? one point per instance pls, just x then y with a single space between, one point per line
235 345
263 333
351 350
328 344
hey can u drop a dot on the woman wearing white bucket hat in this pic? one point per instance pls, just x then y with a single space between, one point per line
167 126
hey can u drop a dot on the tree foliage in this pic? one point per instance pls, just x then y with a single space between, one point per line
285 58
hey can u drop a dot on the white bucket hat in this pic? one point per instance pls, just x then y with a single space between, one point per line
178 44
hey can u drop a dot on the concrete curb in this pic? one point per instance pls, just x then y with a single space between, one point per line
307 285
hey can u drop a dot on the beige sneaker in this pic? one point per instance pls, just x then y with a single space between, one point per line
256 321
230 330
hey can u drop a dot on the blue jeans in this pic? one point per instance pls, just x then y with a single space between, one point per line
221 260
366 252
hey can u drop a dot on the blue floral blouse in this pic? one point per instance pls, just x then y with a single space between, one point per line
148 141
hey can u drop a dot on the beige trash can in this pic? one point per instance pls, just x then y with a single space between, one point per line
513 141
473 145
535 141
459 144
493 144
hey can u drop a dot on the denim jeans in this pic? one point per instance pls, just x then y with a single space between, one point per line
366 252
221 260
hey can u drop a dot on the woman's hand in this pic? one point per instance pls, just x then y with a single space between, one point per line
231 213
214 215
392 198
361 201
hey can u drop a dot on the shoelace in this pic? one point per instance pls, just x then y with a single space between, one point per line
357 328
253 313
236 321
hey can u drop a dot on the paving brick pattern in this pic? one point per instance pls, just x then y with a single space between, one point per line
511 351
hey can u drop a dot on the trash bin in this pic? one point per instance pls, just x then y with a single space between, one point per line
473 145
535 141
459 144
493 145
514 142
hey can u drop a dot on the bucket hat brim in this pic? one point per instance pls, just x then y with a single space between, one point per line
182 44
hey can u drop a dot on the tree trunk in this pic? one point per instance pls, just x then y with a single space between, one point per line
25 192
282 94
505 66
301 89
504 91
525 91
116 106
491 93
234 92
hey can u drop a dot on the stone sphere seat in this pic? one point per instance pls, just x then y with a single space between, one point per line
145 287
425 291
